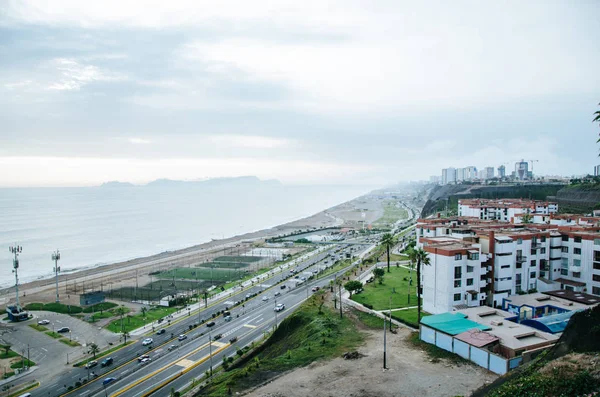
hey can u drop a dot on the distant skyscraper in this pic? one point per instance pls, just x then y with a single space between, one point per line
597 170
522 169
460 174
470 173
448 176
489 172
501 171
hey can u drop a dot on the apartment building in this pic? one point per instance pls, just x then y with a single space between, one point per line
504 210
480 262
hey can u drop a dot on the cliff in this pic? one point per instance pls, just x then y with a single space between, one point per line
582 198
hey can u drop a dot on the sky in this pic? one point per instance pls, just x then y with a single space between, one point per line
306 92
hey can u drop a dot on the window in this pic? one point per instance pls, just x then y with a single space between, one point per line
596 290
457 257
596 277
532 275
597 241
565 237
470 269
457 283
533 263
519 241
519 265
508 267
474 256
564 272
577 274
597 256
596 266
457 272
543 250
576 262
469 281
564 249
564 262
533 251
543 239
577 239
577 251
457 297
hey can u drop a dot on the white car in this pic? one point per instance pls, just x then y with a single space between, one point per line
277 293
147 341
145 361
279 307
265 298
43 322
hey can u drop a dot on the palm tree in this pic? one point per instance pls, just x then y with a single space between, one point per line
120 311
94 349
388 240
420 257
144 310
125 335
597 120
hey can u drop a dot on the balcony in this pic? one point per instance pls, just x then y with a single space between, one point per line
521 258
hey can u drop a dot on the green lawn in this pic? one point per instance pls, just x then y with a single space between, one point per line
391 214
224 265
369 320
54 307
19 364
68 342
10 354
378 296
99 307
133 322
408 316
54 335
192 273
37 327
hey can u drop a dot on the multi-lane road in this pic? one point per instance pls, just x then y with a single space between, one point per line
175 363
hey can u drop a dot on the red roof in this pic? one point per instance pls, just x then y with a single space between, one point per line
477 338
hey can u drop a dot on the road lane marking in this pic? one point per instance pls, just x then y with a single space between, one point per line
185 363
219 344
250 326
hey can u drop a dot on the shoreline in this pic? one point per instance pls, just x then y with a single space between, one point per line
114 273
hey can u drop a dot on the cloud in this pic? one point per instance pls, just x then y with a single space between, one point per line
253 142
139 141
75 75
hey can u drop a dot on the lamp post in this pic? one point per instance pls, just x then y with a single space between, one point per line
55 258
210 351
16 250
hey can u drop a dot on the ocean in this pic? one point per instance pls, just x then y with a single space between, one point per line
93 226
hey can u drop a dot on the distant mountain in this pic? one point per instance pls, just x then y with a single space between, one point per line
116 184
234 181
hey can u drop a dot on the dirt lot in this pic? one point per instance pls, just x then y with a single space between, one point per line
410 373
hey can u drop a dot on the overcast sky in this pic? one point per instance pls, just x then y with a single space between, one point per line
344 92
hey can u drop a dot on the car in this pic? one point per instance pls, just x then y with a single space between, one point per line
217 336
210 324
161 331
233 340
277 293
43 322
226 313
303 278
91 364
248 296
106 362
315 289
145 361
63 330
107 381
282 287
296 276
172 347
181 337
265 298
279 307
227 318
143 356
147 341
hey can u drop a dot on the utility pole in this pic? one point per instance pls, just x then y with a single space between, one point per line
55 258
384 343
210 351
16 250
340 292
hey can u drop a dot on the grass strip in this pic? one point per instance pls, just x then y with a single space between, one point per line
53 334
103 354
24 389
134 322
38 327
68 342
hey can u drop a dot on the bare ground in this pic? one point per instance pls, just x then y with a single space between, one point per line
410 373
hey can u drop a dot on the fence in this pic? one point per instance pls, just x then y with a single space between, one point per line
481 357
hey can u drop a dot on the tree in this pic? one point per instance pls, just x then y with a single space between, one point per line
6 349
94 349
144 310
420 257
120 311
352 286
388 241
597 120
125 335
379 273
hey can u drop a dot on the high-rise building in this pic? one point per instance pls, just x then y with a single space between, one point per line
597 170
522 169
489 172
460 174
448 176
470 173
434 179
501 171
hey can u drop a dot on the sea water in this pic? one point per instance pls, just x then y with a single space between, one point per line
92 226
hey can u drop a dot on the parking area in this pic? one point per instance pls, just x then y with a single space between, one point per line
49 354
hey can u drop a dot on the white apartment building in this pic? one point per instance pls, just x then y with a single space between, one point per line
448 176
476 262
489 172
504 210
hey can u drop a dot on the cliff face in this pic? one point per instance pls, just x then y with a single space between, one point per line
438 196
578 199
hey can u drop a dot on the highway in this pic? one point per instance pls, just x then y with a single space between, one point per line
175 363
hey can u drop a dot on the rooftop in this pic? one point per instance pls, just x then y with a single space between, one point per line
579 298
538 299
451 323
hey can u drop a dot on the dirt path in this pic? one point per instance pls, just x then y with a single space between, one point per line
411 373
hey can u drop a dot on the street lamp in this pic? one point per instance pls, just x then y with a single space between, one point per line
55 258
210 351
16 250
